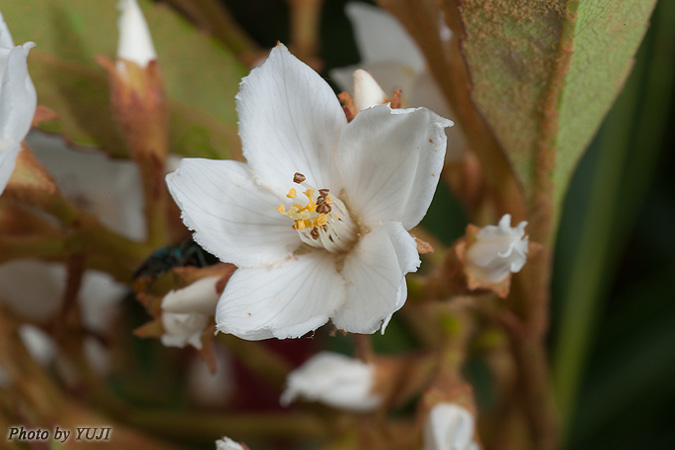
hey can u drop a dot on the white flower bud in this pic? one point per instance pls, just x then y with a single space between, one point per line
228 444
199 297
449 427
186 312
498 250
333 379
135 43
367 92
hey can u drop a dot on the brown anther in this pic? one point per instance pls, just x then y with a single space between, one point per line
323 208
324 227
321 200
298 178
314 233
323 192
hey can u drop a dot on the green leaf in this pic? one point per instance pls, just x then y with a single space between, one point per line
545 73
202 77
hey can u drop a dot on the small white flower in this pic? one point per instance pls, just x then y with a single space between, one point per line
394 60
18 101
228 444
135 42
333 379
338 247
498 251
449 427
186 312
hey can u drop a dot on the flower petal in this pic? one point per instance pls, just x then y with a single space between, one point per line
393 160
333 379
232 216
285 301
375 276
18 98
381 38
135 43
289 121
7 164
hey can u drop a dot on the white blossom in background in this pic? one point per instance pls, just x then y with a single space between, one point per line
228 444
18 101
135 43
317 219
394 60
108 188
335 380
498 250
449 427
186 313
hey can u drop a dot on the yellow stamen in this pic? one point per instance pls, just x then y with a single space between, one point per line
292 193
281 209
320 221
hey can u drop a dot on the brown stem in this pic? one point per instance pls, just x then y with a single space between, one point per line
305 22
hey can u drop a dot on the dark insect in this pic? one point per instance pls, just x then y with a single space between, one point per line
187 253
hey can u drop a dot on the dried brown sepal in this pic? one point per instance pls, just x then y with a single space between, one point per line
423 247
30 182
207 352
43 114
152 329
190 274
395 101
348 105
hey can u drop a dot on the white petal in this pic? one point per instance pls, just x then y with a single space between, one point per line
100 295
228 444
7 164
381 38
498 250
232 216
39 344
289 121
449 427
18 98
392 160
135 43
335 380
367 92
183 329
198 297
5 36
107 188
374 272
287 300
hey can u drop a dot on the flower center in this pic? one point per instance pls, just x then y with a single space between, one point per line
324 221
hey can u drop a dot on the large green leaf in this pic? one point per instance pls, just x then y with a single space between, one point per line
202 77
546 72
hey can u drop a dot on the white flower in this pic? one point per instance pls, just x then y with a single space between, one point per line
394 60
18 101
228 444
449 427
135 42
498 250
107 188
335 380
186 312
343 252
